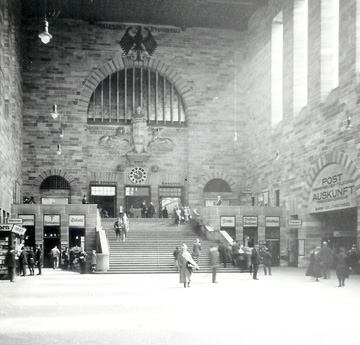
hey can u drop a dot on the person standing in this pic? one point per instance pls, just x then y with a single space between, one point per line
222 253
93 261
214 261
235 248
314 269
84 200
65 257
255 261
197 250
10 263
165 213
187 264
353 257
143 210
266 256
341 267
23 261
327 258
31 261
38 259
82 261
55 253
126 227
151 211
176 254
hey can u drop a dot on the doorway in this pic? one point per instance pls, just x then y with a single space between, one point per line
169 204
105 197
75 236
49 243
134 198
250 236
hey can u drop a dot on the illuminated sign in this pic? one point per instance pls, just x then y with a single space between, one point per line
51 220
27 219
77 221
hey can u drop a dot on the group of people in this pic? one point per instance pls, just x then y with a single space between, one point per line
147 212
181 215
121 227
23 259
322 259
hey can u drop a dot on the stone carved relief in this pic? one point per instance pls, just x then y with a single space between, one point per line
138 139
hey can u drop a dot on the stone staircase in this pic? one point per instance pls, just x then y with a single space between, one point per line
150 245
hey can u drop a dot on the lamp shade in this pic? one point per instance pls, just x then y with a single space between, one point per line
54 113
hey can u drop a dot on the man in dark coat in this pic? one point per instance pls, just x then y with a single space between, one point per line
255 261
327 258
266 256
10 263
38 259
151 211
143 210
23 261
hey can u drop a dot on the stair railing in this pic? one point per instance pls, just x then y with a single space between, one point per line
102 247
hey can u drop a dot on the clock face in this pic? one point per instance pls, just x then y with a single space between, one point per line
137 175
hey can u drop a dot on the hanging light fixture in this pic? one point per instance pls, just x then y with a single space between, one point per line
54 113
45 36
58 149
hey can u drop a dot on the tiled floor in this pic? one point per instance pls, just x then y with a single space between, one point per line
285 308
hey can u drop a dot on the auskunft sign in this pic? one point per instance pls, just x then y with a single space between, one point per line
333 189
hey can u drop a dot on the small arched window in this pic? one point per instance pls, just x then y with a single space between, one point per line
217 185
55 182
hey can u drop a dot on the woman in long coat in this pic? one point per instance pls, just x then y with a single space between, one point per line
186 260
314 269
342 267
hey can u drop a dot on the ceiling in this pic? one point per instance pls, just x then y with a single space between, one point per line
217 14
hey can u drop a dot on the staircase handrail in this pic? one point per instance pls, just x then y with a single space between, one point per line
102 248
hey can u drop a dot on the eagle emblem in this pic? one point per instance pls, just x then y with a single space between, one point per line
137 44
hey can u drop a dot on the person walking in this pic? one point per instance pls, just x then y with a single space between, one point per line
326 258
117 228
341 266
176 254
353 257
93 261
143 210
196 250
235 248
165 213
10 263
31 261
38 259
214 261
255 261
65 258
222 253
55 253
267 257
314 269
187 264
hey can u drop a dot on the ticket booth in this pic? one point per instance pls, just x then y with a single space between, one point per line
52 234
10 235
250 231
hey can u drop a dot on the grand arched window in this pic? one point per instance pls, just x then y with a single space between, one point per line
217 185
54 182
117 96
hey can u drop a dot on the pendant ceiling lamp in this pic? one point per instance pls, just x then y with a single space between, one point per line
45 36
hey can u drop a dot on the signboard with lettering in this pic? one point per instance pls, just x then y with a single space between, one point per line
227 222
51 219
333 189
76 221
250 222
294 223
272 222
14 221
6 227
18 230
27 219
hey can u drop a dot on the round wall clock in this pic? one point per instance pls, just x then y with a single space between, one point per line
137 175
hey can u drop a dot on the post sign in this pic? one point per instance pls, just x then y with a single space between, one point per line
250 222
27 219
272 222
333 189
18 230
51 220
227 221
77 221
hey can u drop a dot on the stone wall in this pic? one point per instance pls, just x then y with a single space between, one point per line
58 71
10 107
